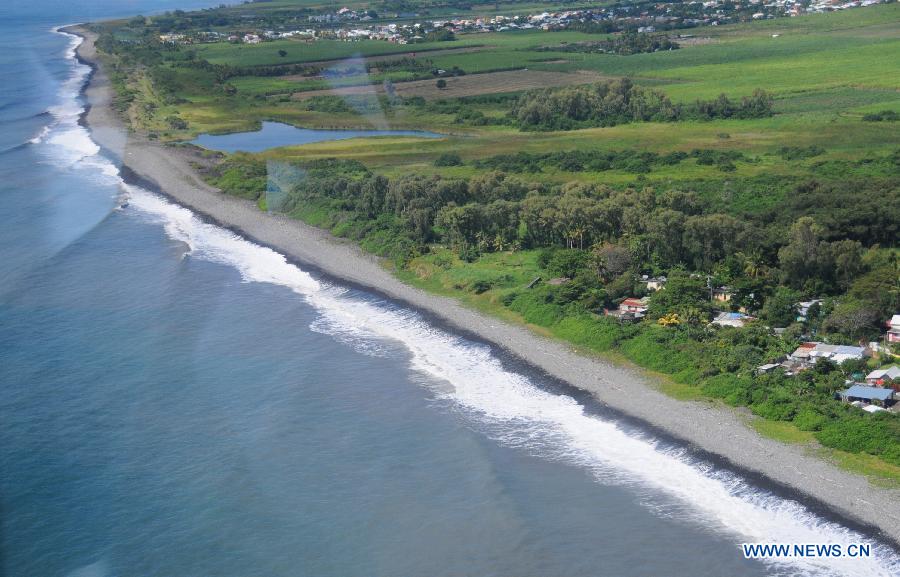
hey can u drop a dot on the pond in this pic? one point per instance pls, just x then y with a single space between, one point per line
275 134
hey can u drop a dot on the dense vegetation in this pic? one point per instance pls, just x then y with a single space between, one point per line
598 161
624 45
620 102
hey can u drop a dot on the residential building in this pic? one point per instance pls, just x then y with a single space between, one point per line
634 305
722 294
868 395
737 320
880 377
803 308
810 352
653 283
631 309
893 334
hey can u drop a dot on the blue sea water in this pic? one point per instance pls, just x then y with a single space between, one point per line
175 400
275 134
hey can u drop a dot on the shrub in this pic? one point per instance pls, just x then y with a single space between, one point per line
809 420
884 115
481 286
448 159
568 262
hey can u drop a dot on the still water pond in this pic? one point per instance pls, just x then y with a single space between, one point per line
275 134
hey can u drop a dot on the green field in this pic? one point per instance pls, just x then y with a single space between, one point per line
825 71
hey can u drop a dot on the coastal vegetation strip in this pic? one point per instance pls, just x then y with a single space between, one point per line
762 166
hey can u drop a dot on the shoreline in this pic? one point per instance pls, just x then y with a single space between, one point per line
711 432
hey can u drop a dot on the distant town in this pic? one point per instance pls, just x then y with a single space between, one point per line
410 27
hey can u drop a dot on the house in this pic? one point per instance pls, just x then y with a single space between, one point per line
810 352
630 309
653 283
879 377
803 351
803 308
837 353
767 368
893 334
722 294
869 395
633 305
737 320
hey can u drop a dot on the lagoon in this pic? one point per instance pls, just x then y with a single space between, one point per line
276 134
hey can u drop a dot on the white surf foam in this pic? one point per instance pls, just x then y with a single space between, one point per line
70 143
520 413
39 137
513 409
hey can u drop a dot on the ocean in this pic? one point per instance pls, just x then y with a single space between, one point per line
177 400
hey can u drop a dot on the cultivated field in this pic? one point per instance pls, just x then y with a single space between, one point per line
470 85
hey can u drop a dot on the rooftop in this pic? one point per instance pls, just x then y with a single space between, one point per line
868 393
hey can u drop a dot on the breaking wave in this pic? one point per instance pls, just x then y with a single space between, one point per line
70 141
508 405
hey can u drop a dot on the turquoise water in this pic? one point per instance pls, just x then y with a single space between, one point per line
275 134
179 401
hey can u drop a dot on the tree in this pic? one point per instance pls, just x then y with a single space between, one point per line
282 53
801 258
780 309
710 238
853 319
567 263
610 260
683 294
847 256
441 83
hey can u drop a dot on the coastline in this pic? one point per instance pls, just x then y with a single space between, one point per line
711 429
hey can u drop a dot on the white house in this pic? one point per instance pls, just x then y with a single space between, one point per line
804 306
653 283
893 334
737 320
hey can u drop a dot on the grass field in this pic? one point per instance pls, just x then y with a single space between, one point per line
469 85
826 71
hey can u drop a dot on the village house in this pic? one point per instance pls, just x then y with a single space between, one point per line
634 305
722 294
767 368
653 283
893 334
630 309
862 396
803 308
881 377
809 353
737 320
